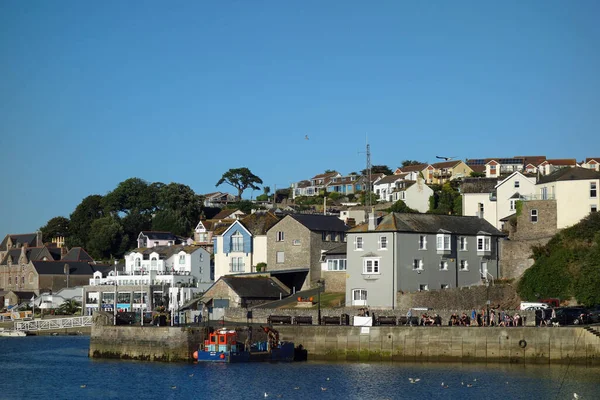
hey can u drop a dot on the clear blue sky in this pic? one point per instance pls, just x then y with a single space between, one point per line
92 93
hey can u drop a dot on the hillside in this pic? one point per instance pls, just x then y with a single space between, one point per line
568 266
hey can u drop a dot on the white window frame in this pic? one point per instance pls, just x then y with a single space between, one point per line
423 287
593 190
280 236
237 242
153 261
464 265
513 204
517 184
422 242
443 242
484 243
462 243
280 257
375 264
336 264
296 242
533 216
359 297
181 259
382 242
443 265
358 243
419 262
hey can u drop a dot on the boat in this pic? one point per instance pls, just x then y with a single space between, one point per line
223 346
11 333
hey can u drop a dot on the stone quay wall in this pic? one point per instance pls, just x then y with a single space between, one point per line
447 344
149 343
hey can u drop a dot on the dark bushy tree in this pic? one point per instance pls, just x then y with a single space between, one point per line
401 207
104 241
241 179
55 227
90 209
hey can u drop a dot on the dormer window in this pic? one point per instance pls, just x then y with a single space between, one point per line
138 262
182 259
484 245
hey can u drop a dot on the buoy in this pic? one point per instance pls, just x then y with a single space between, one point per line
522 343
222 356
195 355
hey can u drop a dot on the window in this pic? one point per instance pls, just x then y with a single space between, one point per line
513 204
483 243
422 242
138 262
336 265
280 236
182 259
593 190
403 195
296 242
423 288
443 242
237 242
237 264
325 236
417 264
534 216
358 243
153 262
359 297
492 170
463 243
371 266
444 286
342 237
593 208
517 184
464 265
382 242
280 257
334 237
443 265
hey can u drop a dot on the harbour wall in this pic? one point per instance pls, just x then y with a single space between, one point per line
549 345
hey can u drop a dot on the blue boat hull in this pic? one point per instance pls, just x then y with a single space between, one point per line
283 353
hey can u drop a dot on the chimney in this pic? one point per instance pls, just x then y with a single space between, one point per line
38 238
372 220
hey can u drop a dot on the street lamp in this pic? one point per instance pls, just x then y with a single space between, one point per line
319 283
142 297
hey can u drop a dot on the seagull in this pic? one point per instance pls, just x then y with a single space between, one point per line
266 394
323 388
83 386
173 387
469 385
191 375
575 396
297 388
444 386
445 158
306 137
327 378
417 380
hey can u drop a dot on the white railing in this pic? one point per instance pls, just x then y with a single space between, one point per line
58 323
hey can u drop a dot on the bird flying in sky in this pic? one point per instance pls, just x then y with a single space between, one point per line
306 137
445 158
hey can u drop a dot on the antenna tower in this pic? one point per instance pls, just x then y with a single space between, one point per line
368 173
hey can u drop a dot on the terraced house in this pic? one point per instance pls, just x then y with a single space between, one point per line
415 252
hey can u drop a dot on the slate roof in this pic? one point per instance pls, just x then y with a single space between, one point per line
562 161
416 168
223 214
390 179
478 185
341 249
77 254
303 184
446 164
404 185
75 267
222 226
534 160
257 287
318 222
570 174
158 235
325 175
431 223
31 253
478 168
259 223
29 238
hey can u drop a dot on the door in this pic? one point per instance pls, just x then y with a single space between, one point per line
483 269
359 297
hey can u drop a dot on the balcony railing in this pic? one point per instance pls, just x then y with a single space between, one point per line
531 197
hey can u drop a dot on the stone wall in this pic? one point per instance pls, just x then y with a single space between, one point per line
335 281
447 344
149 343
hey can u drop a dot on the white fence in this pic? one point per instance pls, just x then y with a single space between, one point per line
58 323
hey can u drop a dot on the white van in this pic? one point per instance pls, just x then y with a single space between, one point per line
526 305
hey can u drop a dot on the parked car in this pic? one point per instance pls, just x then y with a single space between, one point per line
572 316
594 314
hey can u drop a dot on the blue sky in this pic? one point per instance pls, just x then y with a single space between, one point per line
93 93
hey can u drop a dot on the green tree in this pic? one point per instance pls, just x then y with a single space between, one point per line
241 179
105 237
378 169
171 221
477 174
90 209
69 307
407 163
180 206
587 287
364 198
55 227
401 207
133 224
133 195
446 201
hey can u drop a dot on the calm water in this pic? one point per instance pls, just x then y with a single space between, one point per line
57 367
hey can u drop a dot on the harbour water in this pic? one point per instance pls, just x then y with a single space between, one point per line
59 368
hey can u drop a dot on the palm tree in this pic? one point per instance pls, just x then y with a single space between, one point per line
69 307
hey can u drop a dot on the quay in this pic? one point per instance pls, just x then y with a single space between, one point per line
528 345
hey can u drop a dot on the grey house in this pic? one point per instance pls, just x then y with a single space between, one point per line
413 252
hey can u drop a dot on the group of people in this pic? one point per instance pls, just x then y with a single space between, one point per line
495 317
